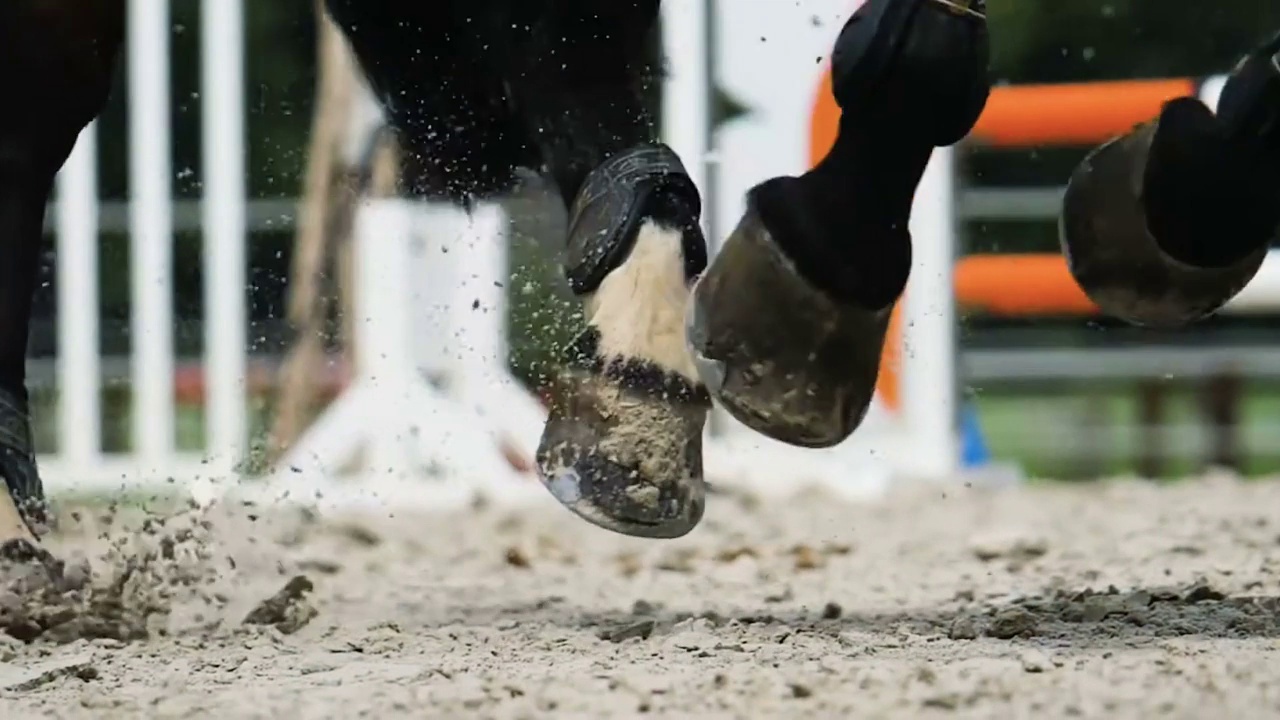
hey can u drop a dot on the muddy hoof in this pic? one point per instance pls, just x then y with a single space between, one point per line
779 355
623 448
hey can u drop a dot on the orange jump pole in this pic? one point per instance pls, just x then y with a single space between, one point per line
1072 114
1022 285
1022 116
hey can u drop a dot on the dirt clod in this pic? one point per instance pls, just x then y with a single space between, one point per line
288 610
640 629
1013 622
515 557
964 627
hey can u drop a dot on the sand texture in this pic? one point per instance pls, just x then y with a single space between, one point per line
1118 600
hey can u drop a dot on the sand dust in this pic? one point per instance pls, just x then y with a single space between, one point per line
1124 600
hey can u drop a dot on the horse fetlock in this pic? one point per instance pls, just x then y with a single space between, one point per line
922 63
645 183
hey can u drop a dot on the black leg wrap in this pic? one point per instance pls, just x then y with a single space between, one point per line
646 182
912 61
18 461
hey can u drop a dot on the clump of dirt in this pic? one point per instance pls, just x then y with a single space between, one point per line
288 610
1197 608
124 594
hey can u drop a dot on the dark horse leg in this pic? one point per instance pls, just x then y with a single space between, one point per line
479 87
1165 224
56 64
788 323
624 448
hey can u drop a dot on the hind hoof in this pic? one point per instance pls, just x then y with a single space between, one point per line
623 449
782 357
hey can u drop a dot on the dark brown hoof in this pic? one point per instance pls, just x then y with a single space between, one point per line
1144 219
781 356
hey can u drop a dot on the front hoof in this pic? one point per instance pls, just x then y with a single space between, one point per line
625 453
784 358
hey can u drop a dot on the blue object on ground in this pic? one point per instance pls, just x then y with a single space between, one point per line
973 445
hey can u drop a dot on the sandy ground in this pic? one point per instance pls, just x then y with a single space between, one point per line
1123 600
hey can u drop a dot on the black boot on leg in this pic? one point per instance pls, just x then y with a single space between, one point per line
788 324
1165 224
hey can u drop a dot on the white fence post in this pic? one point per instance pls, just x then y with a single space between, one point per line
928 374
151 208
225 286
79 376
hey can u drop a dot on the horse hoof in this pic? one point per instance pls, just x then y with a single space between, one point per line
781 356
623 447
1158 227
18 466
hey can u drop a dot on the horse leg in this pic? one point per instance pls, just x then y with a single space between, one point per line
623 448
430 65
73 44
788 323
1165 224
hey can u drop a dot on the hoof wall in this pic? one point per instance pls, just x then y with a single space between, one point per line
779 355
627 457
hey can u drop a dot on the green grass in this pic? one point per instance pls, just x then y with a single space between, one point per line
1039 430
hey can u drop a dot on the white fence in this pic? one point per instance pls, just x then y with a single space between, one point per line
80 463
